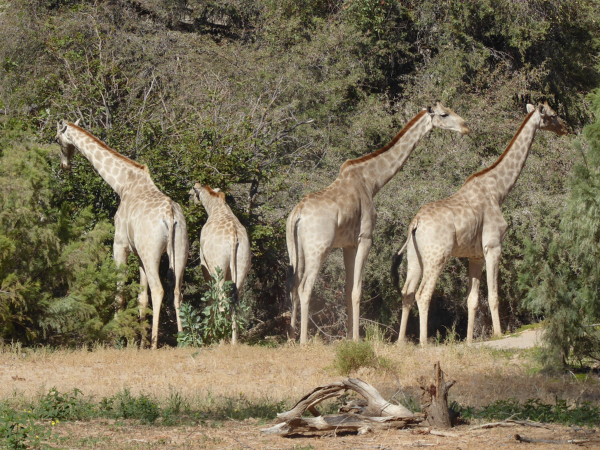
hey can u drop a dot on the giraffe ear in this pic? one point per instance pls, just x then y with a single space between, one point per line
530 107
429 110
77 121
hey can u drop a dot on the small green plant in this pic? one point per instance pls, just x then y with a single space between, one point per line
220 308
191 322
18 429
351 355
126 406
57 406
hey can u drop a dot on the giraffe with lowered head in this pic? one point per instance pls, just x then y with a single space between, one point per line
468 224
343 215
147 222
224 243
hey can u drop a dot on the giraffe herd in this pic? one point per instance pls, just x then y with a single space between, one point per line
467 224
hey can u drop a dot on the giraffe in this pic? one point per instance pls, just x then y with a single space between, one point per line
224 243
147 222
343 215
468 224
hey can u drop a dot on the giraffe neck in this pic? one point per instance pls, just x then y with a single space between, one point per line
212 202
380 167
502 176
117 170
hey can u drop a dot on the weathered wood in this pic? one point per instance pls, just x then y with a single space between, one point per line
375 406
434 398
362 416
338 423
549 441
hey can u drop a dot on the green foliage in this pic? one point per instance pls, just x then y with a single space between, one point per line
18 430
124 405
535 410
219 310
351 356
266 100
62 406
562 275
191 322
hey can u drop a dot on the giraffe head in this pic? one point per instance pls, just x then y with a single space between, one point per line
550 120
207 196
446 119
66 146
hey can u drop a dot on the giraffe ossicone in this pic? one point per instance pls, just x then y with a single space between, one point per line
343 215
467 224
147 221
224 243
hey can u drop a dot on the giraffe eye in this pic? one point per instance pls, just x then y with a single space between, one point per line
444 115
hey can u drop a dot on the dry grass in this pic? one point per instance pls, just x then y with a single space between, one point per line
279 374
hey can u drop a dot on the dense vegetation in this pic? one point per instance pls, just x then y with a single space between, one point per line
266 99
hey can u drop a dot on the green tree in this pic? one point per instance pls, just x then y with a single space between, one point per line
562 271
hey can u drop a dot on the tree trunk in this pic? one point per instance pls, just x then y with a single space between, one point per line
434 398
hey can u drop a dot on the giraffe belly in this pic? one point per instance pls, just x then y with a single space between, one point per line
474 251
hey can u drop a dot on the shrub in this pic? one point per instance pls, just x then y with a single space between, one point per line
351 356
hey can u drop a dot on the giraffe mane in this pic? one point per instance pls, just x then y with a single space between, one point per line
408 126
220 195
487 169
106 147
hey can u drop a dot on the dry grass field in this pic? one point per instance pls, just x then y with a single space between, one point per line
261 375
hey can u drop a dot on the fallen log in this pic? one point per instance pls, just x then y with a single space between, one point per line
529 440
373 413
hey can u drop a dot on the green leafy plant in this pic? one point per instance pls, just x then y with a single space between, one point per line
62 406
191 322
219 310
126 406
18 429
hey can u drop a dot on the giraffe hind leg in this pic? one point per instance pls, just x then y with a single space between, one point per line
414 272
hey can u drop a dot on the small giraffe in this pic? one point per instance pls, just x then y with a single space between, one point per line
343 215
224 243
147 221
468 224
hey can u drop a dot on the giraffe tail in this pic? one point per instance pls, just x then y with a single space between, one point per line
171 226
397 258
233 266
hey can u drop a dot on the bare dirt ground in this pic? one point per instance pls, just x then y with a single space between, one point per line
268 375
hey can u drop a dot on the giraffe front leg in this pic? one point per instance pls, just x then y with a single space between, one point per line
362 253
492 263
349 261
475 269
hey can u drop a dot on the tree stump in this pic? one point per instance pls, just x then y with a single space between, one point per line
434 398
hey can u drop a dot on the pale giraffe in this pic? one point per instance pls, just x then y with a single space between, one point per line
224 243
147 221
343 215
468 224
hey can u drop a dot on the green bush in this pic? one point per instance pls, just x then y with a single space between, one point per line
67 406
351 356
18 430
